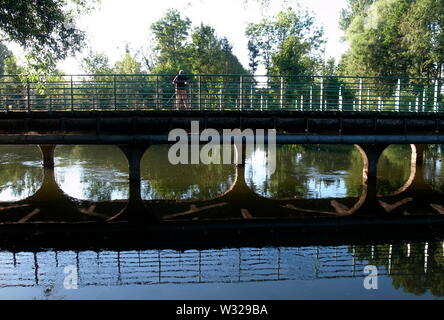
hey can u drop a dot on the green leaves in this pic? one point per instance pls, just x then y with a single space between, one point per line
394 38
287 44
171 33
197 50
44 28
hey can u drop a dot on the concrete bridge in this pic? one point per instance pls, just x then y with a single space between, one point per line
137 111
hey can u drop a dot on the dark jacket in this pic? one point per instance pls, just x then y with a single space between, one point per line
181 82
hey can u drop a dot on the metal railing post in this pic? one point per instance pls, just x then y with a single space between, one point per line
340 98
190 90
72 93
157 92
241 100
220 97
251 96
281 95
360 95
199 90
115 92
369 99
28 96
435 99
311 98
321 95
398 96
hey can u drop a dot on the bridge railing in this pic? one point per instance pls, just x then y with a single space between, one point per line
220 92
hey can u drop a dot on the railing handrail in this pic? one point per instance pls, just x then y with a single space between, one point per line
113 92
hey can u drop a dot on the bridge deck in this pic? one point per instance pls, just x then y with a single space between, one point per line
156 122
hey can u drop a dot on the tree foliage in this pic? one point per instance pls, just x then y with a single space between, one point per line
96 63
289 43
394 37
171 33
5 53
195 50
44 28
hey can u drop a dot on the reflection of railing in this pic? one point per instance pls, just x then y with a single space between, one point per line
220 92
104 268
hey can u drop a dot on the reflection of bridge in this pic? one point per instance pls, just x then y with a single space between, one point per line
234 265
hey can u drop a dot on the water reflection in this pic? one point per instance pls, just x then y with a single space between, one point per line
92 172
21 171
162 180
393 168
302 171
309 172
413 267
416 268
433 171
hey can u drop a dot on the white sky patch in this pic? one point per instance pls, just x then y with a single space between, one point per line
117 23
70 181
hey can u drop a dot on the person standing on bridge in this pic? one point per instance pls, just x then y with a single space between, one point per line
181 84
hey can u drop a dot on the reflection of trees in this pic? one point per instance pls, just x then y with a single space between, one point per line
411 272
163 180
355 171
20 169
433 173
103 170
393 168
301 169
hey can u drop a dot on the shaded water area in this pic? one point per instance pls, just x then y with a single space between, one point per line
90 183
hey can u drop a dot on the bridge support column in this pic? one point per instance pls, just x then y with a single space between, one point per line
372 153
370 156
240 191
134 155
420 148
135 210
239 159
48 155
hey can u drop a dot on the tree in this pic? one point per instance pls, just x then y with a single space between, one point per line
204 49
253 53
261 37
44 28
210 54
195 50
171 33
96 63
230 63
128 64
423 37
4 54
288 44
394 37
11 66
375 38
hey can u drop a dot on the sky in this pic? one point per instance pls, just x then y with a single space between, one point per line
118 23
